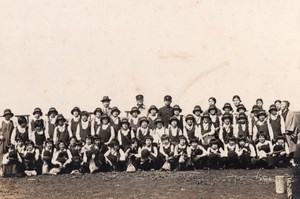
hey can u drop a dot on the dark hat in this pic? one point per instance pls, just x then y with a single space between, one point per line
78 143
254 108
60 117
262 112
168 98
48 140
89 137
227 105
278 148
261 133
13 155
29 142
39 123
125 121
194 139
75 109
135 109
85 113
143 119
242 116
197 108
164 137
8 112
182 137
115 109
241 106
231 138
259 100
52 110
177 107
149 137
104 116
213 141
61 142
105 99
22 120
157 120
173 118
72 137
139 97
153 107
206 115
280 137
236 96
227 116
242 138
190 117
97 137
212 107
279 101
272 108
114 142
98 110
37 110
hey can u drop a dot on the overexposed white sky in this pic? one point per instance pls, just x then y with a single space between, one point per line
64 53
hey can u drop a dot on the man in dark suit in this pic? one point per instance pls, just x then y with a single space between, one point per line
106 102
166 112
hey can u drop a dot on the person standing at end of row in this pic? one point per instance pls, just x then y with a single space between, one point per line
51 122
6 129
37 115
166 112
73 123
141 106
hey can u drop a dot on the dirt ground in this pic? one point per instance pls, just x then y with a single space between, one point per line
152 184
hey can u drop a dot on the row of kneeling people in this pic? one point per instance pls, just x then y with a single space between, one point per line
93 155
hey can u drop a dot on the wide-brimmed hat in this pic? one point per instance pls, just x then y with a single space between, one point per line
153 107
206 115
105 99
182 137
177 107
241 106
168 98
212 107
143 119
158 120
173 118
8 112
60 117
98 110
272 108
104 116
114 142
52 110
37 110
197 108
227 116
148 137
194 139
262 112
213 141
242 138
125 121
48 140
76 109
22 120
242 116
135 109
190 117
115 109
139 97
227 105
255 108
85 113
164 137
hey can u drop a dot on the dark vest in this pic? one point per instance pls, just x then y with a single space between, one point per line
105 134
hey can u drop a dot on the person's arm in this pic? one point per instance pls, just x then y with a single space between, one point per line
78 133
189 151
212 131
13 137
33 138
120 138
271 133
37 154
204 152
47 129
255 130
112 135
282 124
161 150
271 148
54 159
19 158
221 135
252 151
42 154
155 153
235 130
5 159
69 158
286 147
69 126
55 138
92 127
107 160
185 132
176 151
180 131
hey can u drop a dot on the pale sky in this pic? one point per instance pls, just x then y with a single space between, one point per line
64 53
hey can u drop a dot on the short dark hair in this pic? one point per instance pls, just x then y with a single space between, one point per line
213 99
277 101
259 100
287 103
236 96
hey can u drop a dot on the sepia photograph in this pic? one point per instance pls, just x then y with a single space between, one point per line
150 99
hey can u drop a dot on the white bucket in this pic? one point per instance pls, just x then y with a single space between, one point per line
280 184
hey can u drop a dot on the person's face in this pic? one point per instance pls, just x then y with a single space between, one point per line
125 126
278 106
134 145
60 122
205 120
140 102
227 121
167 102
116 147
242 143
280 141
106 104
76 113
176 112
261 139
255 113
214 146
194 144
37 115
105 121
78 147
148 142
29 147
174 123
52 115
23 125
115 113
84 118
189 122
262 118
38 128
231 142
283 105
182 141
97 142
259 104
236 101
20 143
7 117
61 146
242 121
88 141
135 114
274 112
153 112
144 124
227 110
72 141
198 113
159 125
49 145
98 114
212 111
211 102
241 110
166 141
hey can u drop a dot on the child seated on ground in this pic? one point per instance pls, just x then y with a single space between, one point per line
229 155
115 156
246 153
31 156
61 159
166 153
281 152
133 156
148 155
99 149
46 156
182 161
197 154
264 151
214 154
11 161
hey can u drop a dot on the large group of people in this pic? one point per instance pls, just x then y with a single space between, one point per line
149 138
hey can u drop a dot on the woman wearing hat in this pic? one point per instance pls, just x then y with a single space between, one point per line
6 130
206 130
95 124
51 123
215 119
242 127
11 161
197 115
276 122
197 154
21 131
84 127
143 130
37 115
226 130
31 156
125 135
148 153
174 131
46 156
153 112
61 159
166 153
61 132
115 120
246 153
134 120
158 131
106 132
253 118
115 156
281 152
181 155
176 112
73 123
262 125
214 154
189 127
